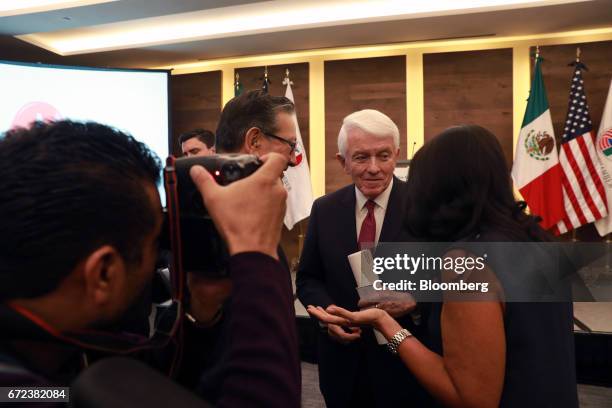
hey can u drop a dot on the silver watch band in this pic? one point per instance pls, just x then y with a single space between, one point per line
397 339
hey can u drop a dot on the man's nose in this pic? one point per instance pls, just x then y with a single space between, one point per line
373 166
292 159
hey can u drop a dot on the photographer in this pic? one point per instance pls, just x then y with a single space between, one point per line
79 242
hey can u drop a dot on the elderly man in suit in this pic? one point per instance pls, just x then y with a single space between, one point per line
353 369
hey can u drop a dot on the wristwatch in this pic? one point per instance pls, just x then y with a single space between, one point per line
397 339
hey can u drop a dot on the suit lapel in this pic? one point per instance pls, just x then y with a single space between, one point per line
346 221
392 224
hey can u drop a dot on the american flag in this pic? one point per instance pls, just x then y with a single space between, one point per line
584 196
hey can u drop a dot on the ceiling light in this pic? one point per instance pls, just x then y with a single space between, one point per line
255 18
14 8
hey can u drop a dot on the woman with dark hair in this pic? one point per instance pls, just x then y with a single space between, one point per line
482 353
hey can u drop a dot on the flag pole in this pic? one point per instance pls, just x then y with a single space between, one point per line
301 237
608 240
574 234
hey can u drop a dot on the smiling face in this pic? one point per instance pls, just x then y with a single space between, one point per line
370 161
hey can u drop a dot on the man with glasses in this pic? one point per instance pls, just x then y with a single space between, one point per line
252 123
257 123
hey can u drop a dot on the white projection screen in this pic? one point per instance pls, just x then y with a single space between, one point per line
133 101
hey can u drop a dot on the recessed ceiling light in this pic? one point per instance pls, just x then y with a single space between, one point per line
14 7
255 18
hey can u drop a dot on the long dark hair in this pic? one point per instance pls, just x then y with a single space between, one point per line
459 186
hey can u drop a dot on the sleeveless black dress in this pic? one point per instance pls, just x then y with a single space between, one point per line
540 361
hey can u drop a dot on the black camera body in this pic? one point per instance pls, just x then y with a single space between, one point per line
194 241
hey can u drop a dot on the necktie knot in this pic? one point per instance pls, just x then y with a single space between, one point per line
370 205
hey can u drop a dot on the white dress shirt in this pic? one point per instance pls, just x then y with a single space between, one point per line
361 210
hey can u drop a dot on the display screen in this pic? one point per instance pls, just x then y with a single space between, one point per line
133 101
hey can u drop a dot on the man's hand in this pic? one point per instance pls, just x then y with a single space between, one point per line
335 325
341 336
207 296
248 213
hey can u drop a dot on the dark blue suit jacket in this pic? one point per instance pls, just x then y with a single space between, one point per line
324 277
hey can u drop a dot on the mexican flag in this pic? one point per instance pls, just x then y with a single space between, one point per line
536 171
604 153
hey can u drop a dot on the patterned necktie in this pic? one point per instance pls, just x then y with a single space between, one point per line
367 233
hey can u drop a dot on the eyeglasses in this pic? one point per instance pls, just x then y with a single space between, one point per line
291 144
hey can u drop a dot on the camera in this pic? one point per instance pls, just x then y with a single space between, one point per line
191 235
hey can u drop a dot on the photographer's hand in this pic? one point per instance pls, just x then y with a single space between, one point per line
248 213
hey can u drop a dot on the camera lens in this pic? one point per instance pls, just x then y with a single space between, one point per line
231 172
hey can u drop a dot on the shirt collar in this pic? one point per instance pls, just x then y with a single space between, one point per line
381 200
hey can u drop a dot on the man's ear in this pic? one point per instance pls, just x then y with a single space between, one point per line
104 273
342 162
252 140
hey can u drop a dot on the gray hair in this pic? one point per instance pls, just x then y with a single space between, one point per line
369 121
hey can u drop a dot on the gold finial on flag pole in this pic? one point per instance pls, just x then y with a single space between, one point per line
578 52
287 80
237 77
537 52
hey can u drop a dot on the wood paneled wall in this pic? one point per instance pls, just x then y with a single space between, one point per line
252 78
472 87
195 103
352 85
597 56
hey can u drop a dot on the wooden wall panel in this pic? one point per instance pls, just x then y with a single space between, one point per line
352 85
557 77
473 87
251 79
195 103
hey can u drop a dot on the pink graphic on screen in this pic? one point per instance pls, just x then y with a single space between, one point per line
35 111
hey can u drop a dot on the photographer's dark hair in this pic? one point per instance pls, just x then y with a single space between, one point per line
68 188
205 136
250 109
460 185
